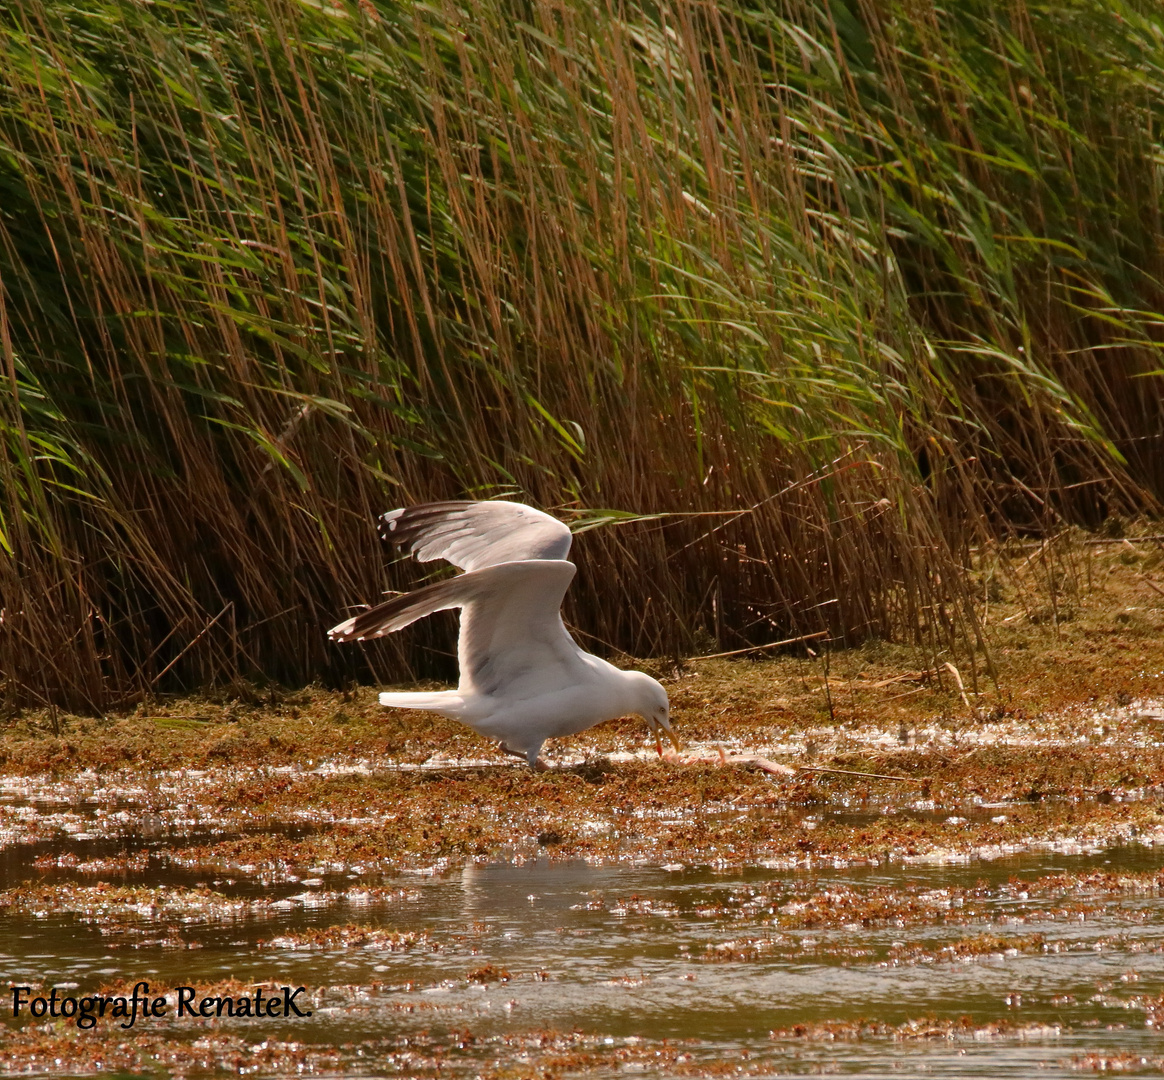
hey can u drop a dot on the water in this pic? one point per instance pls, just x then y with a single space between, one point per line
572 969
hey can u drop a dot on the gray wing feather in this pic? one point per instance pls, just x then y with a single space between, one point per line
512 635
402 611
473 535
511 627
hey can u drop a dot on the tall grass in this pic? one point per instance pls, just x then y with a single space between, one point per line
839 289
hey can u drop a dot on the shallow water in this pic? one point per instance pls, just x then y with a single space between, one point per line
628 958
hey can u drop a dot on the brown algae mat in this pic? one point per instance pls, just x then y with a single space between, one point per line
239 798
1064 743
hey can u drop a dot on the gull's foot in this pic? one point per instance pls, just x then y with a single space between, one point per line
540 763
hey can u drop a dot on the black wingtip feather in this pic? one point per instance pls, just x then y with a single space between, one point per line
401 525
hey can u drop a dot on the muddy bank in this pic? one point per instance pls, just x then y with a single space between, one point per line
996 852
1071 781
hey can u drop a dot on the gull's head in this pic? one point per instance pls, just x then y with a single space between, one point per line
652 705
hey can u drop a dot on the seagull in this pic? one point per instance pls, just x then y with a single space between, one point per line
523 677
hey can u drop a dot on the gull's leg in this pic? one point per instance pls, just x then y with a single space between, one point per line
530 755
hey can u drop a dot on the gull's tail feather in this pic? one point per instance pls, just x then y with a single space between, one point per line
448 702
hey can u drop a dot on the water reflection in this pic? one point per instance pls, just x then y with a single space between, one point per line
652 954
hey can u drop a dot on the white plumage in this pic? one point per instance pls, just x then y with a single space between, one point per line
523 678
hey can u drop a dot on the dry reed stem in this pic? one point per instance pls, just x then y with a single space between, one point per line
269 270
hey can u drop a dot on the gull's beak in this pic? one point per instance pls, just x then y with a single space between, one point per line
658 729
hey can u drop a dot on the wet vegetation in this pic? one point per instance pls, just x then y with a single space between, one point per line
904 763
1006 839
831 292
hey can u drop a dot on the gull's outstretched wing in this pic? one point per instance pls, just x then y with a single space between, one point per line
404 610
512 634
473 535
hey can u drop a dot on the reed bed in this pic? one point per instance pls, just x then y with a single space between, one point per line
786 308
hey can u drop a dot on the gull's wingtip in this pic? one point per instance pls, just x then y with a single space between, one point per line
388 522
342 631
